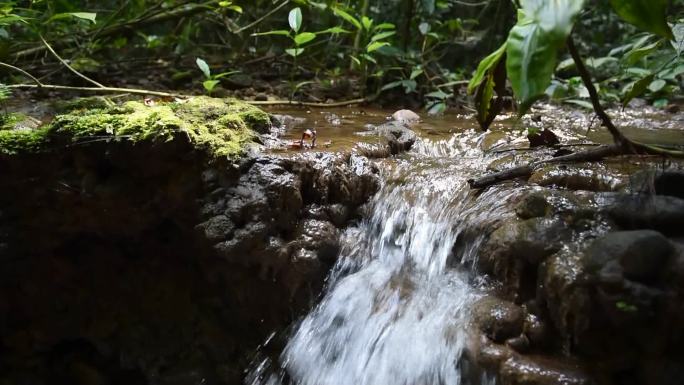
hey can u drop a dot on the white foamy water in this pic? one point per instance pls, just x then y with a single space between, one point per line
394 313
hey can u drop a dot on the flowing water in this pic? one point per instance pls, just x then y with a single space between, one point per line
396 307
394 311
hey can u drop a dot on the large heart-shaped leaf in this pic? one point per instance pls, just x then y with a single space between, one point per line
553 16
530 62
649 15
532 46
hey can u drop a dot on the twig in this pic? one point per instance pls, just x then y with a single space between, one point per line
618 137
72 69
35 79
98 90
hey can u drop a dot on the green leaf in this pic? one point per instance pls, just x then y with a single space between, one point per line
657 85
204 67
334 30
660 103
424 28
533 44
531 60
416 72
295 19
649 15
638 88
209 85
439 94
678 41
382 35
637 54
437 108
384 26
294 52
278 32
555 17
347 17
581 103
485 65
90 16
366 22
304 38
373 46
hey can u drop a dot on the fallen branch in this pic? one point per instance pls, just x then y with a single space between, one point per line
593 154
67 65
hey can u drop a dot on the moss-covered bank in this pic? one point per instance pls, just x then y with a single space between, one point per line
219 127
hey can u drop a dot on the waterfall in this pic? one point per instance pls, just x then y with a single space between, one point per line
395 312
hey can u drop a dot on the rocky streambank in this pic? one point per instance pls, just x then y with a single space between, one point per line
587 272
151 244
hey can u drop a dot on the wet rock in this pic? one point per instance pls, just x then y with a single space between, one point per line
668 182
373 150
516 247
525 370
658 212
399 136
640 255
498 319
536 331
492 139
533 205
520 344
577 177
261 97
237 81
287 121
406 116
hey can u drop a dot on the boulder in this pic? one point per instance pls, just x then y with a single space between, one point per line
406 116
498 319
639 211
399 136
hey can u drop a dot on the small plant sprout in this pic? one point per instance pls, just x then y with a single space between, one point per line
211 80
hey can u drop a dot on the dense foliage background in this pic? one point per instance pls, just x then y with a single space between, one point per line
421 51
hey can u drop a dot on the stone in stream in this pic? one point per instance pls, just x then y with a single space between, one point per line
405 116
640 211
533 205
399 136
498 319
640 255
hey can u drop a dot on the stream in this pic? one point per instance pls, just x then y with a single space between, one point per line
396 307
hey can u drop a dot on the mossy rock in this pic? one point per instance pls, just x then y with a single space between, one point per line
219 127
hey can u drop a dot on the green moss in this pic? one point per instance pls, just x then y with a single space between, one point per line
91 102
21 141
8 121
219 127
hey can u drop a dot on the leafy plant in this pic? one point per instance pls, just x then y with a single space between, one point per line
531 51
211 80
